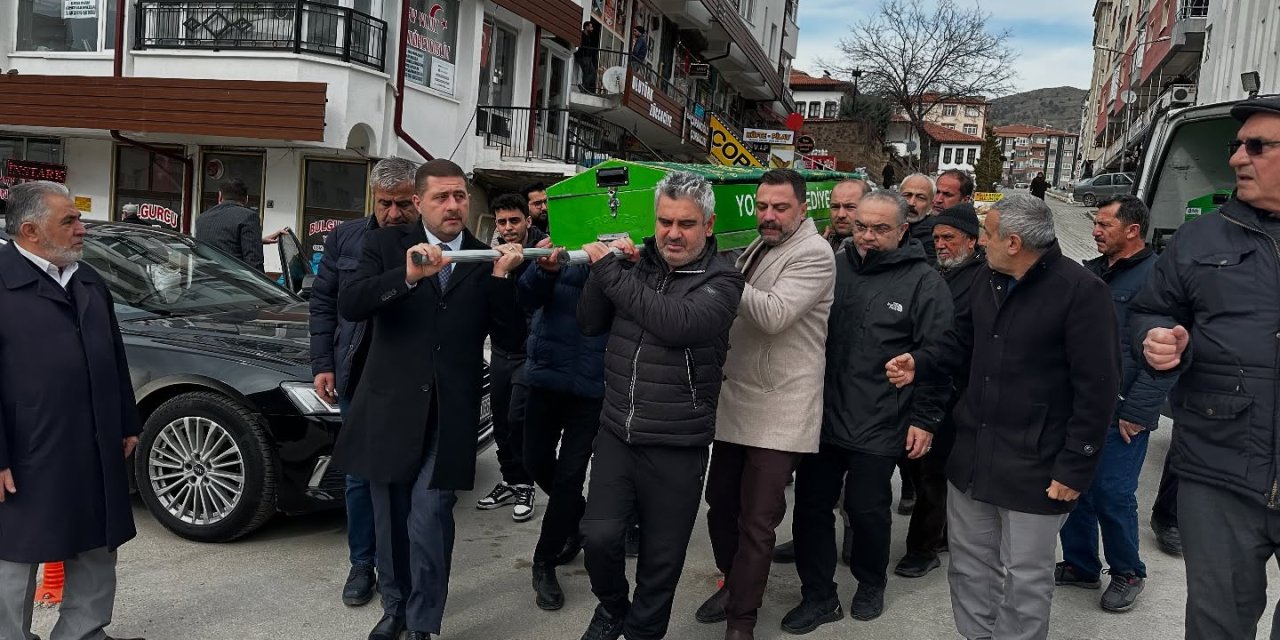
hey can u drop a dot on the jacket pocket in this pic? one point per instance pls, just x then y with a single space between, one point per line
764 368
1215 406
691 371
1219 425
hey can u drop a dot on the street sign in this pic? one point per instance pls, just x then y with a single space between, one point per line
988 196
805 144
768 136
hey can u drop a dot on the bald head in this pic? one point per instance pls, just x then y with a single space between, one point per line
917 190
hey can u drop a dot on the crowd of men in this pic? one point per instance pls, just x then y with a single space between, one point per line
1015 388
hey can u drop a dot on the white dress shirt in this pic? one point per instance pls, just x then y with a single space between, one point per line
453 245
61 276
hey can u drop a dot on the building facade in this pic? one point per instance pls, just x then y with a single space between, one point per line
818 98
1032 150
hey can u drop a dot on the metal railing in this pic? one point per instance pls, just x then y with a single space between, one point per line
606 59
298 26
1193 9
556 134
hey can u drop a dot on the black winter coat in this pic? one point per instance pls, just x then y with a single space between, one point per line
886 304
1220 279
668 336
517 357
66 406
1044 374
561 358
334 339
922 232
426 350
234 229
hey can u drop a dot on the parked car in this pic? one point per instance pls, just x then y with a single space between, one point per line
1090 191
220 360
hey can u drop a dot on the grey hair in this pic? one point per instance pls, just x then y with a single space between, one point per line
1029 218
862 184
890 197
691 186
933 187
26 203
392 173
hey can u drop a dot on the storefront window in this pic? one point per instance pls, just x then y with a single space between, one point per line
47 150
152 181
220 167
66 25
334 191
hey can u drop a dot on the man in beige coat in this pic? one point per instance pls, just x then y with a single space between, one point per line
770 411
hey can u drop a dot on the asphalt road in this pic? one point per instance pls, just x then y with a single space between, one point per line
284 580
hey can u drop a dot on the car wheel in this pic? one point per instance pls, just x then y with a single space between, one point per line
1089 200
205 468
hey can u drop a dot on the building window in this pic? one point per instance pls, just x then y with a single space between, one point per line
334 190
971 129
970 156
950 125
815 110
147 178
948 110
66 25
248 167
972 112
946 156
831 110
773 38
47 150
747 8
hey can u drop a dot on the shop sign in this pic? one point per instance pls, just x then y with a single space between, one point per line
657 106
149 212
78 9
84 204
696 131
432 38
24 170
727 149
988 196
315 228
768 136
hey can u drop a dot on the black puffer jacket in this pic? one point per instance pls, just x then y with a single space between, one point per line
886 304
668 336
1220 279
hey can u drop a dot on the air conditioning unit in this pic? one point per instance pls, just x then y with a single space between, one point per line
699 71
1182 94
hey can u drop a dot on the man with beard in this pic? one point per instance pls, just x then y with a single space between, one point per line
1111 503
955 235
337 347
919 192
887 300
844 202
667 312
769 414
535 196
953 187
508 390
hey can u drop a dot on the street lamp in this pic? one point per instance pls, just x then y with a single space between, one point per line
856 73
1136 44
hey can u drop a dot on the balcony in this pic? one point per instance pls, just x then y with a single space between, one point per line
296 26
556 135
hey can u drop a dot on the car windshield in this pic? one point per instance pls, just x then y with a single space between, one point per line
158 273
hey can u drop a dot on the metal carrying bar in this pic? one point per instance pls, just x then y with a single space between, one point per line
576 256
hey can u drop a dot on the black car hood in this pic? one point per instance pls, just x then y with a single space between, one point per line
276 333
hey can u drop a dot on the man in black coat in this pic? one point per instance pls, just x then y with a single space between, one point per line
1039 185
1209 312
233 227
336 342
68 419
667 311
412 428
1041 345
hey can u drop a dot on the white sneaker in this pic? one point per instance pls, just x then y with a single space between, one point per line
524 503
501 494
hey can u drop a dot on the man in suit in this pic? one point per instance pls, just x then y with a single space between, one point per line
770 412
231 226
68 419
411 431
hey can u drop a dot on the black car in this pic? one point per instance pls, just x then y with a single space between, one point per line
220 361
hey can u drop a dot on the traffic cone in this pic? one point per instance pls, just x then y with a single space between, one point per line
51 581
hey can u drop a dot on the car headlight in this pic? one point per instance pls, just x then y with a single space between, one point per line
304 397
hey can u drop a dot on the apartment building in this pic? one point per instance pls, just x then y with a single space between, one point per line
1029 150
156 102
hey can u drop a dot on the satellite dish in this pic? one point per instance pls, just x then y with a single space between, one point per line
615 79
1130 96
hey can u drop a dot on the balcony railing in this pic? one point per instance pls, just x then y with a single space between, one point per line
1193 9
555 135
298 26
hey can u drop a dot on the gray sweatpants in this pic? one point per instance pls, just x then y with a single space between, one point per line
1001 569
87 600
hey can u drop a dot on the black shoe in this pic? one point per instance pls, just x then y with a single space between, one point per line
1066 575
810 615
868 602
713 610
1168 538
388 628
572 547
1123 592
846 548
417 635
360 586
546 587
906 504
917 565
603 626
785 553
633 541
523 510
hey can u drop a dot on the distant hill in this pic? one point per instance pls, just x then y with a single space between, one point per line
1058 107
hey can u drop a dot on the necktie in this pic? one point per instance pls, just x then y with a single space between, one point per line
446 271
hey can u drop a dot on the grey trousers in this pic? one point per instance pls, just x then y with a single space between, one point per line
1227 541
88 597
1001 570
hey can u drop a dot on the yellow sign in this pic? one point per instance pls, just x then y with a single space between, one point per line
988 196
727 149
84 204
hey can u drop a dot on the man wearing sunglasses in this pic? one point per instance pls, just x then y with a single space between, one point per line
1211 313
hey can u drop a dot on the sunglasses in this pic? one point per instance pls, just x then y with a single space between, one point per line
1252 146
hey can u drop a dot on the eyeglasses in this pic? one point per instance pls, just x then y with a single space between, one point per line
880 229
1252 146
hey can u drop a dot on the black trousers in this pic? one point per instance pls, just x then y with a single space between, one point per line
1165 510
661 487
508 394
571 423
868 497
927 531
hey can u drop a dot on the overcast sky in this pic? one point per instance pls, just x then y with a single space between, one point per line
1054 38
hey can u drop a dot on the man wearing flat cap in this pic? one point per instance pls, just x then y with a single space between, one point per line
1211 312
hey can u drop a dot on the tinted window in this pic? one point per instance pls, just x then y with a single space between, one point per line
1102 181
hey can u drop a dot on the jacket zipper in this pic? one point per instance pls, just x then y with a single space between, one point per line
693 390
635 370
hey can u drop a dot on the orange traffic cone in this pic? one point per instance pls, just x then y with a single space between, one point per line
51 582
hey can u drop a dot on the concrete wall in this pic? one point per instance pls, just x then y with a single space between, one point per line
1241 36
852 142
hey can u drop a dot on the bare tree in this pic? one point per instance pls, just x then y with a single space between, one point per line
907 52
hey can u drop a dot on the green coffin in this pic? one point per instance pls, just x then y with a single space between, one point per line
616 197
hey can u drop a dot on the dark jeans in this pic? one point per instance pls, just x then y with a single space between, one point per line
868 497
587 66
361 542
746 493
662 486
508 394
571 422
1110 503
1165 510
1227 541
927 531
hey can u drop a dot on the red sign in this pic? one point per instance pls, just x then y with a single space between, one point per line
795 122
27 170
157 213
